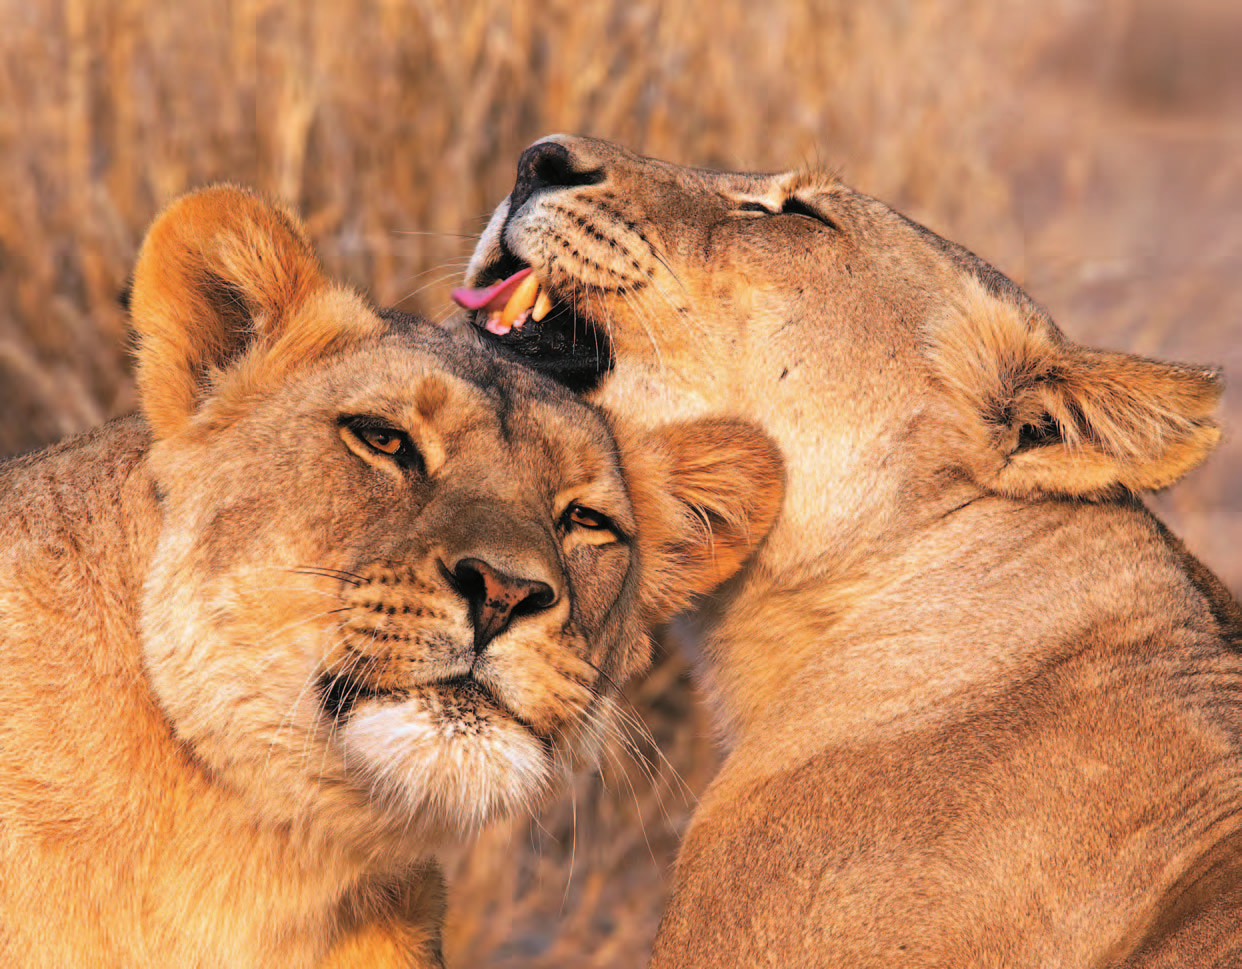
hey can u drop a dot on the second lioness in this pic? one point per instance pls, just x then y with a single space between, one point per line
982 708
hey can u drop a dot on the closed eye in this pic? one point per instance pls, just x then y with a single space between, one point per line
791 206
795 206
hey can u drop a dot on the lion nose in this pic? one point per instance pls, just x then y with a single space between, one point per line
495 598
549 164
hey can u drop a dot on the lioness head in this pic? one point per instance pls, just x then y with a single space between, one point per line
899 373
397 579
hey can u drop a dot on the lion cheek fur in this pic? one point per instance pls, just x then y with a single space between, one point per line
427 764
254 719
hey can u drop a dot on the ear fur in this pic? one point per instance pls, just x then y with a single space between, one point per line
705 493
219 271
1038 415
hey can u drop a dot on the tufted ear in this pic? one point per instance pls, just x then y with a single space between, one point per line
1038 415
221 271
705 494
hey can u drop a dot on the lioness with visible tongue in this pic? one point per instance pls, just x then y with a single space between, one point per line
508 303
981 708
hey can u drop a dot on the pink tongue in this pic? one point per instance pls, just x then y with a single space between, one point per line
493 298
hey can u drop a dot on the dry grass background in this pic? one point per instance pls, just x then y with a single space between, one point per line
1091 150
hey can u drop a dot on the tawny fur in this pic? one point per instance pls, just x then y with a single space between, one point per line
252 680
981 708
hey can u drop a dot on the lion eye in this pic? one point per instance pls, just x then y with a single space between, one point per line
387 441
582 517
791 206
795 206
379 438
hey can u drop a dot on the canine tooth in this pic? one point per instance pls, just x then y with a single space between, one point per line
543 306
520 301
495 324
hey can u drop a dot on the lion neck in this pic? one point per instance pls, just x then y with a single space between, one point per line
907 625
885 589
820 517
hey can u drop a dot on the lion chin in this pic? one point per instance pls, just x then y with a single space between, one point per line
451 758
981 707
345 591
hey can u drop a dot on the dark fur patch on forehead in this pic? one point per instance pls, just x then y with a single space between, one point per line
474 362
500 375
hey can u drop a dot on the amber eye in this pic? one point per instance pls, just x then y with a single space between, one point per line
387 441
383 439
579 516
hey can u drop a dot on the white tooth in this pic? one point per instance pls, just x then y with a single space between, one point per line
494 324
543 306
520 301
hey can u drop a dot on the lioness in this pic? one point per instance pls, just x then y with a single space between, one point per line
981 708
344 591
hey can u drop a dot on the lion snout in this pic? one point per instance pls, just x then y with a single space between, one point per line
495 597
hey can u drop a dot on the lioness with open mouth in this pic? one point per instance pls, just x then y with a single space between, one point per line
344 592
981 708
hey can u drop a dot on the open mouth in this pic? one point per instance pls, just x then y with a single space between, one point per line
516 310
509 303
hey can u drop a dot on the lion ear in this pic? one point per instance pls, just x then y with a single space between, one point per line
705 494
1046 417
219 271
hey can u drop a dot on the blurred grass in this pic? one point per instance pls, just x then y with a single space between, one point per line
1090 151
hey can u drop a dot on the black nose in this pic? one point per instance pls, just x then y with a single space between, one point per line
496 598
549 165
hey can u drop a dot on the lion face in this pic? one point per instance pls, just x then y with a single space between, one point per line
445 622
899 373
644 265
397 580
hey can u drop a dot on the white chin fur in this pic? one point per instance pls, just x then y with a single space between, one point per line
450 773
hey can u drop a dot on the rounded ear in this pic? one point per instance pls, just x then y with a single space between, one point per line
705 494
219 268
1038 415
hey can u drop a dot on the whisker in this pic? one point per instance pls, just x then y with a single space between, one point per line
638 810
603 315
445 313
635 721
651 337
453 272
639 758
324 572
689 319
430 232
663 261
573 844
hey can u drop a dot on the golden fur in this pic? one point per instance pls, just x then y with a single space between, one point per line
981 708
345 591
